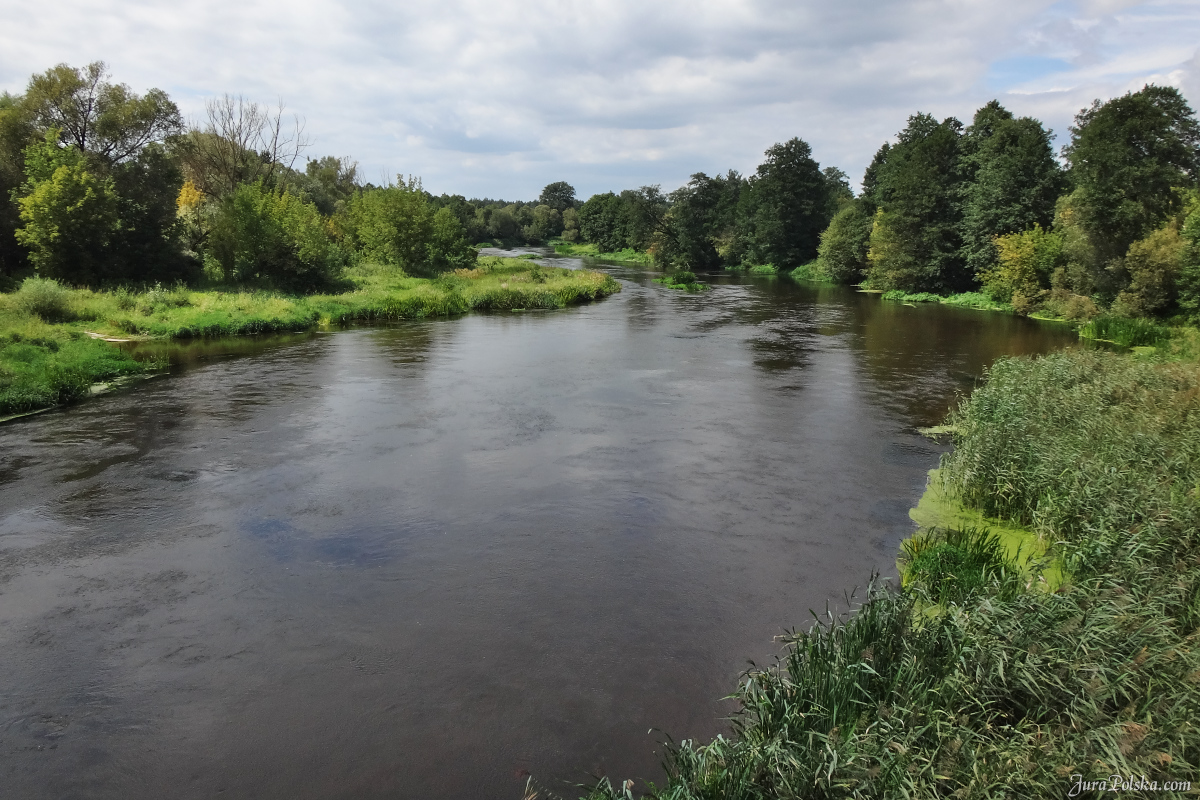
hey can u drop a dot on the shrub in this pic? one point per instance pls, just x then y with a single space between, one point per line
274 239
45 298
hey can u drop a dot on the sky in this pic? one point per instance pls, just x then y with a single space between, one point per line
497 98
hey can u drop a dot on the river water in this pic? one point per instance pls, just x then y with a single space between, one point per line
427 560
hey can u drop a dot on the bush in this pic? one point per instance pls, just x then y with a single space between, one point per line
397 226
1025 263
45 298
274 239
1154 264
842 254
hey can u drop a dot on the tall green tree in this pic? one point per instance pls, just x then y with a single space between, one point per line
559 195
786 206
915 240
1126 157
399 226
17 131
700 227
98 117
1010 181
69 215
602 222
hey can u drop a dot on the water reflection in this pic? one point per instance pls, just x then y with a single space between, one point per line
421 559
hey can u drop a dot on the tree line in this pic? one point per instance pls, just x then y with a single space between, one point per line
1112 221
100 185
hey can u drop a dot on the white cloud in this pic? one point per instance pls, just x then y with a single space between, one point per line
498 98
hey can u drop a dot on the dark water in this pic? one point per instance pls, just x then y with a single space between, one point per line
422 561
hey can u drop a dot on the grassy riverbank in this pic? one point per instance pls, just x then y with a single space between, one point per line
1002 686
49 354
588 250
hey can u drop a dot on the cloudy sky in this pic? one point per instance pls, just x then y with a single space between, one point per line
496 98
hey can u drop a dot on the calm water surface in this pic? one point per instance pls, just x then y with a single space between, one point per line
425 560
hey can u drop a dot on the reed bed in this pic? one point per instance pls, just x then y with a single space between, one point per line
989 688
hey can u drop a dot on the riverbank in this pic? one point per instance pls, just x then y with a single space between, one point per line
1012 687
54 341
588 250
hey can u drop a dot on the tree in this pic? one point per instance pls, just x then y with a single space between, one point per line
601 222
398 225
842 254
1010 181
559 195
17 131
97 117
1126 157
1024 265
329 182
69 214
241 142
275 239
915 239
547 223
700 228
786 206
643 212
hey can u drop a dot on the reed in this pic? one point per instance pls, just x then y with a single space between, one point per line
984 687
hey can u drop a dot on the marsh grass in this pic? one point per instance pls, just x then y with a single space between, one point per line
48 358
976 300
1002 691
1126 332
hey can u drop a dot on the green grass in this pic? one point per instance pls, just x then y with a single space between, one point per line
976 300
810 272
589 250
986 688
1126 332
683 281
49 358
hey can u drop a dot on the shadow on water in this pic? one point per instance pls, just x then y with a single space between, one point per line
423 560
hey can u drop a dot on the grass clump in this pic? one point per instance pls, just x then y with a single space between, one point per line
682 280
1004 690
955 563
1126 331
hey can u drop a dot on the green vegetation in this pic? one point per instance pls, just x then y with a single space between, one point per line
974 680
682 280
963 299
1126 332
49 358
589 250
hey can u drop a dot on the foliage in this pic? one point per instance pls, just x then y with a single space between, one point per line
601 222
1154 265
398 226
916 241
786 205
1011 181
842 254
1125 331
107 120
1126 156
1003 690
954 564
682 280
44 298
1189 272
559 196
69 214
1024 265
268 238
699 230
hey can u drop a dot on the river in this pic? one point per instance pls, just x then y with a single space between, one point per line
428 559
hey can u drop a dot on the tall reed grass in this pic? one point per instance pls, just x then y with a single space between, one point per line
999 691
